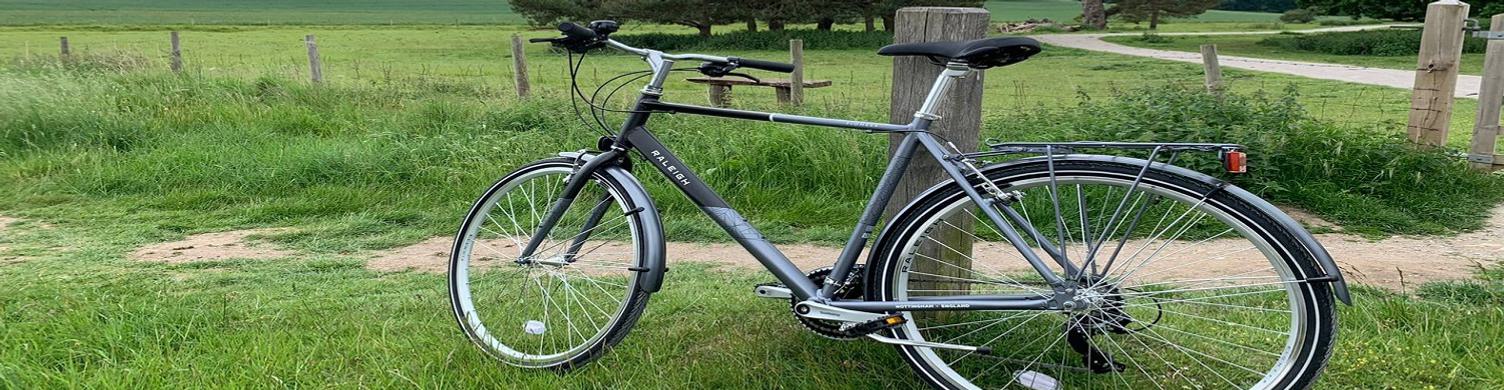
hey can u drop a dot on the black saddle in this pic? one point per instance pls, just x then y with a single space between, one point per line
979 53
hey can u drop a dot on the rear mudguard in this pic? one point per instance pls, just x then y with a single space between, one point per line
651 227
1328 266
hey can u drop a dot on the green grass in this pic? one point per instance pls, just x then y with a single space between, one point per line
1248 46
274 12
413 124
452 12
78 315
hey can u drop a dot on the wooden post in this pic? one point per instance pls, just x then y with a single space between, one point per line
961 123
1490 97
176 54
796 79
519 67
315 66
1436 73
64 51
1213 70
720 95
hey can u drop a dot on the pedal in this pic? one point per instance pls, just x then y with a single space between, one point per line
773 291
873 326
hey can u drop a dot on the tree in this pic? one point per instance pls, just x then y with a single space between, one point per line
1153 10
544 12
1093 14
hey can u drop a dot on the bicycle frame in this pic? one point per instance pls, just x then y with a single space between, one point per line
635 136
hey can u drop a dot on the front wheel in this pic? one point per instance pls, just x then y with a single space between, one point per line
576 296
1184 284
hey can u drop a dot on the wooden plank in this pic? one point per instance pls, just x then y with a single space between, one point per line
176 55
315 65
961 121
795 90
519 67
1212 69
762 83
1436 73
1490 97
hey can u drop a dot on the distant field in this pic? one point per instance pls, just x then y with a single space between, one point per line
275 12
45 12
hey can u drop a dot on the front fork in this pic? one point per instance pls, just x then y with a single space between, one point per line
576 182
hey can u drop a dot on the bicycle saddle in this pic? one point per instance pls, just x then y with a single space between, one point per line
979 53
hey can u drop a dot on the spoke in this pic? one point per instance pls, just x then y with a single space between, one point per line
1214 320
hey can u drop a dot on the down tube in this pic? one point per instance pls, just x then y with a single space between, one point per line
716 208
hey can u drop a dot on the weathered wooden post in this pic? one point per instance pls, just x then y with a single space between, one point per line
1436 73
1213 69
315 66
796 79
176 55
519 67
961 123
64 51
1490 97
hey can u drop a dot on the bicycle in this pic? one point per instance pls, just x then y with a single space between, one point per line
1139 273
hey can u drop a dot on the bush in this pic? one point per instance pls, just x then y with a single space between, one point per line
1367 182
1298 15
1367 43
761 40
1148 37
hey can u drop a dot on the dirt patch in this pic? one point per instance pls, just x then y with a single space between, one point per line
235 244
432 255
1397 263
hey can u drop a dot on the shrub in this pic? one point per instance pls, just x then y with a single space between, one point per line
1367 182
1148 37
761 40
1369 43
1298 15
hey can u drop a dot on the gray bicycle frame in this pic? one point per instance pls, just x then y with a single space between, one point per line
634 135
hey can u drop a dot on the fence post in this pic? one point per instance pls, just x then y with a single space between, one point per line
519 67
1436 73
63 50
1213 69
961 123
796 79
1490 97
176 54
315 66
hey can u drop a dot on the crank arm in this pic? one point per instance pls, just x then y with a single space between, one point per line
912 343
773 292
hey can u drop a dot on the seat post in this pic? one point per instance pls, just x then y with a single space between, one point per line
953 71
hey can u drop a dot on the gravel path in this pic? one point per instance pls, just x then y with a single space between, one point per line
1467 86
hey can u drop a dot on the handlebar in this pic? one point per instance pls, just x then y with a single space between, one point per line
576 32
770 66
582 38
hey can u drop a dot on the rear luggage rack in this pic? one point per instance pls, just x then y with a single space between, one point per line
1234 159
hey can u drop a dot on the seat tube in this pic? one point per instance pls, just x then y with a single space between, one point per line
928 111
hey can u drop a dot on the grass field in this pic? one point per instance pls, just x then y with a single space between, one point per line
414 122
451 12
1248 46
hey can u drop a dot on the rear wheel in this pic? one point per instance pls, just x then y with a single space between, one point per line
570 301
1190 286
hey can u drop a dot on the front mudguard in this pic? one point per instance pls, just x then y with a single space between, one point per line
653 263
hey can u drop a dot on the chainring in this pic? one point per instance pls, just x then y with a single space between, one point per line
852 289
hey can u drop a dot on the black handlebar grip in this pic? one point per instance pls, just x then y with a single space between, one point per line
765 65
575 31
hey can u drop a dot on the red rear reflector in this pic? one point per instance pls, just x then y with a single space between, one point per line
1235 161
